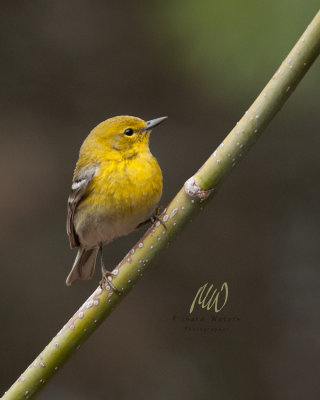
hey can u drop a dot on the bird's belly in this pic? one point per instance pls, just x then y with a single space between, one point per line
101 228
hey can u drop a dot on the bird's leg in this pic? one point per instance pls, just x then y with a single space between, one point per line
106 273
155 217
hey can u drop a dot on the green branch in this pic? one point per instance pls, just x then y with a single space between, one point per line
190 199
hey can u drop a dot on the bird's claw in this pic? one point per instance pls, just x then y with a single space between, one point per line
154 218
107 282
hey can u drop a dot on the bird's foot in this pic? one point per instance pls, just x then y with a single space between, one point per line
154 218
107 280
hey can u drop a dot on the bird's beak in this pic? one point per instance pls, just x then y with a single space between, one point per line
154 122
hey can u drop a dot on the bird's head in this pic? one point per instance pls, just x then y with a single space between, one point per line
124 135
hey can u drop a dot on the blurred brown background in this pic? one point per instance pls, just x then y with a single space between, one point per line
66 66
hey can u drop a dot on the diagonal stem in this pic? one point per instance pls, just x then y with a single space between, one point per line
190 199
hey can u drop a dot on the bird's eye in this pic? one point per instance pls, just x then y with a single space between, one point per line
128 132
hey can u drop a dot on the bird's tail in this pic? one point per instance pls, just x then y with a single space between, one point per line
84 265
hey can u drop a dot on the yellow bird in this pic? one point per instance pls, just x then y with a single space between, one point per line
116 186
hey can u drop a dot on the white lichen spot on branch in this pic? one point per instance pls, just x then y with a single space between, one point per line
193 189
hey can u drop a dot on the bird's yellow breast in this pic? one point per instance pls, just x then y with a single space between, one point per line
129 186
121 195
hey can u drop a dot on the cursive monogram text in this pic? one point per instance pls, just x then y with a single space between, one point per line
204 299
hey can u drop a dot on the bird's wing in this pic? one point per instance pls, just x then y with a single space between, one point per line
80 183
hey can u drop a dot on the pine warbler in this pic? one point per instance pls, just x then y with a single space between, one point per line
116 186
